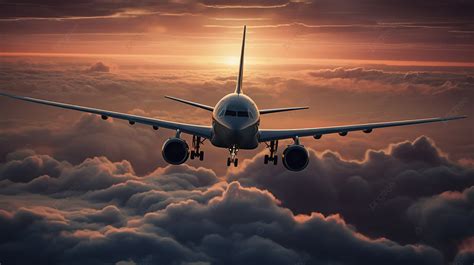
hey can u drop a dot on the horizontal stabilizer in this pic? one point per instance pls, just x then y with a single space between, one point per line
266 111
202 106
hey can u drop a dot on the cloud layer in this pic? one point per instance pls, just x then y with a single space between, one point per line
344 212
77 189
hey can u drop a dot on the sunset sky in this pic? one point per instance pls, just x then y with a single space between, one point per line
75 189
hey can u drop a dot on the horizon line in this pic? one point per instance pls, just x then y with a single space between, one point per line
303 61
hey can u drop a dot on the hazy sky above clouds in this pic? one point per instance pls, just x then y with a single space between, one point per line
75 189
384 30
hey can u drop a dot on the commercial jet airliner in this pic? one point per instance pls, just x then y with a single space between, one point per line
235 125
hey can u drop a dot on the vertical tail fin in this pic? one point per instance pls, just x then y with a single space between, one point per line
238 89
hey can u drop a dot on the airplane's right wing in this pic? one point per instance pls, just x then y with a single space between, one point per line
198 130
272 134
267 111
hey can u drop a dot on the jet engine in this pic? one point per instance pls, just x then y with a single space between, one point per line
295 157
175 151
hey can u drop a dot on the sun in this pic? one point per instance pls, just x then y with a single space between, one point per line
231 60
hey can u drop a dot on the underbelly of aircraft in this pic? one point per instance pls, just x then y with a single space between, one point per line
243 139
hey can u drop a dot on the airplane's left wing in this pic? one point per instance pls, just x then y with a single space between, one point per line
270 134
198 130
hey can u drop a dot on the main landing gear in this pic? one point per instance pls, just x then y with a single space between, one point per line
196 152
273 146
232 159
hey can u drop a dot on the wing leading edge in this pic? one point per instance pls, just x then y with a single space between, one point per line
203 131
270 134
267 111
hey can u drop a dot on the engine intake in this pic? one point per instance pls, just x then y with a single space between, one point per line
295 157
175 151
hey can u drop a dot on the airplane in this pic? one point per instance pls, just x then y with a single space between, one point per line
235 125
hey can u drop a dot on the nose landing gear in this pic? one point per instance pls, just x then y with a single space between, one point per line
232 159
273 146
196 148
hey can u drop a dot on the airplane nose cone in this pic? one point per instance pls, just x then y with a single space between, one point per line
234 126
234 130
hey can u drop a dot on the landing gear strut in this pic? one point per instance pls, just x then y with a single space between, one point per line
273 146
232 159
196 148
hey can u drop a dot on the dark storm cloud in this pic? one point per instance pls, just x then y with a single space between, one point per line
98 178
31 229
66 180
24 165
375 194
466 252
445 220
193 216
220 231
109 215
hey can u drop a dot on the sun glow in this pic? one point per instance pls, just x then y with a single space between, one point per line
231 60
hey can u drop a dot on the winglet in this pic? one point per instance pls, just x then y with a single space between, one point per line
238 89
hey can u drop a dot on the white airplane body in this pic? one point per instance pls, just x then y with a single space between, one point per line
235 125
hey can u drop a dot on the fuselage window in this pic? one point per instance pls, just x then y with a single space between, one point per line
230 113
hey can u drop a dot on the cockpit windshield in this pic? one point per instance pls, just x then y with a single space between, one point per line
235 113
242 113
230 113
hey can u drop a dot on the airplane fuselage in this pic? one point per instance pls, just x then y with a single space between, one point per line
235 122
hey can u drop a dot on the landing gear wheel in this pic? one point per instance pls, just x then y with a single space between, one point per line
273 146
195 153
233 156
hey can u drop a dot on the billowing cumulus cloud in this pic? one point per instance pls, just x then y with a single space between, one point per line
445 220
345 212
376 194
238 220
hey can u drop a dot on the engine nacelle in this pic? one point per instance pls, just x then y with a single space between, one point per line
175 151
295 157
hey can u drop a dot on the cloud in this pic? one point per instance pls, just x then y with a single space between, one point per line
246 223
430 82
445 219
374 194
373 211
25 165
99 67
